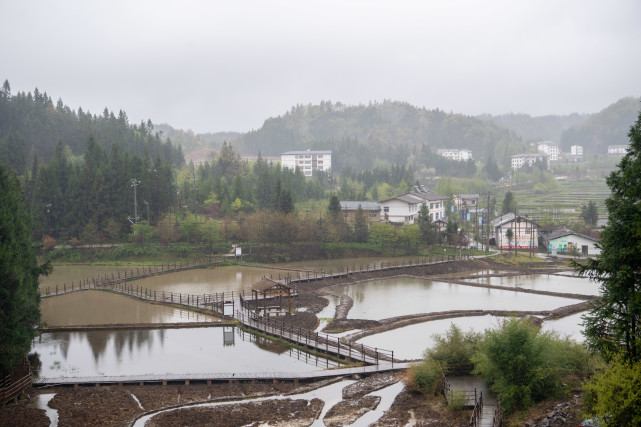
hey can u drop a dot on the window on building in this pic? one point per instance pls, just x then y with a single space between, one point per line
372 215
386 209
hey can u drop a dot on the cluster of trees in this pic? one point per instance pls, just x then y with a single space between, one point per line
31 123
92 197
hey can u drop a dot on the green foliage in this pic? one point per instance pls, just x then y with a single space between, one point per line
614 394
455 350
426 376
509 203
589 214
613 325
523 365
19 271
383 234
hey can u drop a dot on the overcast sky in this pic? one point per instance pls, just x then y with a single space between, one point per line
219 66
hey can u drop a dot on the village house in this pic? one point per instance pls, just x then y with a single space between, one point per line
404 209
565 241
524 232
617 150
372 210
464 204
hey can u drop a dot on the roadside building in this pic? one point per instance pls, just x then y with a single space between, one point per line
464 204
372 210
524 232
565 241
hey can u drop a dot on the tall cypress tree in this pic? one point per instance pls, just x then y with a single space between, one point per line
614 322
19 271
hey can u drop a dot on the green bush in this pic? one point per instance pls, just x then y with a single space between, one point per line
614 394
523 365
455 350
426 376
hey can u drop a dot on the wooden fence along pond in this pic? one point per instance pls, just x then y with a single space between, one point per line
228 305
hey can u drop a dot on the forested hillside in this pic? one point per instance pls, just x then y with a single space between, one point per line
379 134
536 129
608 127
30 123
77 169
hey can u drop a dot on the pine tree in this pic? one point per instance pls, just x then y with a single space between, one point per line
614 322
19 271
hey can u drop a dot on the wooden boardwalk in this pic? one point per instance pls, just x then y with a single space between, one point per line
477 395
218 377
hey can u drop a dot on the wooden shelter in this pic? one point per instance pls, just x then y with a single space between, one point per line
274 292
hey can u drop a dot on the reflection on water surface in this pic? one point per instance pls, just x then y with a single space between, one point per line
170 351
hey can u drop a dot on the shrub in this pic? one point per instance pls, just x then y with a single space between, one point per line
614 394
48 242
425 376
455 350
523 365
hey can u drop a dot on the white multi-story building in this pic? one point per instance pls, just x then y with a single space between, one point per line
617 150
550 148
520 160
454 154
576 150
308 161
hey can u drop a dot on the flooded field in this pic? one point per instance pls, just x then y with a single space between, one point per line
544 282
410 342
166 351
381 299
569 326
101 308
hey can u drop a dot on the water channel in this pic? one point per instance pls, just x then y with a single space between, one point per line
167 351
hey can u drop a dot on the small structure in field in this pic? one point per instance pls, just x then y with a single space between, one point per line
271 298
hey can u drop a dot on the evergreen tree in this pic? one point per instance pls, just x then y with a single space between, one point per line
361 233
589 214
509 203
19 271
614 322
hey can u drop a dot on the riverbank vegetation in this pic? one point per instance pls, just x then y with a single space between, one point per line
520 363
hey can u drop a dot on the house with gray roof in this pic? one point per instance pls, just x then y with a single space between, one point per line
565 241
372 210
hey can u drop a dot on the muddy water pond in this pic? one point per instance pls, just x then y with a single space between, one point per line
208 281
102 308
381 299
543 282
67 273
166 351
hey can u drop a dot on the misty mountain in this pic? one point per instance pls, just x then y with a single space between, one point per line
541 128
197 147
379 133
610 126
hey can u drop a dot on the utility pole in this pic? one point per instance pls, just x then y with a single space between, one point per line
134 184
